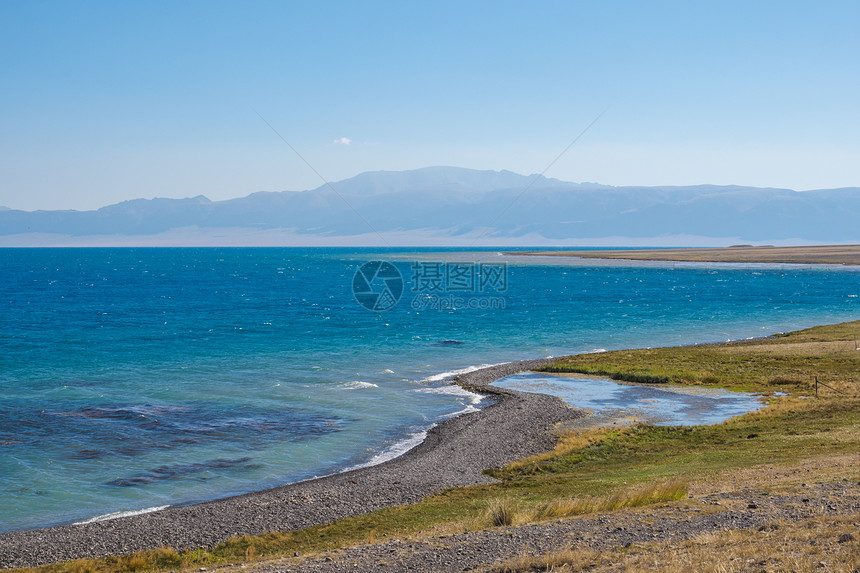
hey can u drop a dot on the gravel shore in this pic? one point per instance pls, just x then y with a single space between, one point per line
454 454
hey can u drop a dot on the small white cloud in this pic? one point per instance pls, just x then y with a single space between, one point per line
343 141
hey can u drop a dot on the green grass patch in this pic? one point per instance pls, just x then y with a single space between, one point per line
787 362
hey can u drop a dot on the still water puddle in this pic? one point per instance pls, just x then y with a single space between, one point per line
611 402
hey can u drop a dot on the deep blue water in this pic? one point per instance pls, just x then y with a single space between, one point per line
135 378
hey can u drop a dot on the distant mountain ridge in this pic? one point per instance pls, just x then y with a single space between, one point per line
436 204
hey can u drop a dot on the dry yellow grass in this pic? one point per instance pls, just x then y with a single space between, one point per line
821 543
634 497
502 512
568 441
829 468
782 546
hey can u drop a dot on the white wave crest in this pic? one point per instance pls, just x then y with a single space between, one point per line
467 410
453 390
357 384
395 451
454 373
119 514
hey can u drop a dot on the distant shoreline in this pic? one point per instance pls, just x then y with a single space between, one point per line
810 255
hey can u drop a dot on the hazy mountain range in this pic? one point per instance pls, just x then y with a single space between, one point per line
456 206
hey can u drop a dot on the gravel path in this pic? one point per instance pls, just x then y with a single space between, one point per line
454 454
479 551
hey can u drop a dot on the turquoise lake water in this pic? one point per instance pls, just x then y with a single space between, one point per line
138 378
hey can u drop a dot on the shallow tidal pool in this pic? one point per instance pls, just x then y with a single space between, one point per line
610 402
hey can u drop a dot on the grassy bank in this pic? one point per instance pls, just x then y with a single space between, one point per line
783 362
603 470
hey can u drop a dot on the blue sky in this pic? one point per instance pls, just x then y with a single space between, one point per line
106 101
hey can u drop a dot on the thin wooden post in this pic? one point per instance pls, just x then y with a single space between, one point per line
816 386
